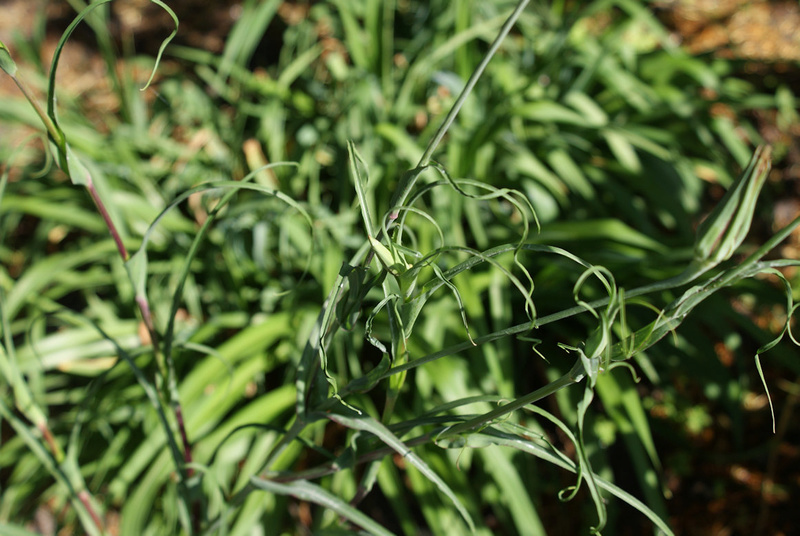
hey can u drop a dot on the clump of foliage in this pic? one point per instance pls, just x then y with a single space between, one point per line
405 279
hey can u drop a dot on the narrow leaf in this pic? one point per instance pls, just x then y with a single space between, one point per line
360 183
165 42
306 491
368 424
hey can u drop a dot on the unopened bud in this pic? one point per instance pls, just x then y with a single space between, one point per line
724 230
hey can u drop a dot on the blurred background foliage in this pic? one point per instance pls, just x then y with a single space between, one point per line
618 120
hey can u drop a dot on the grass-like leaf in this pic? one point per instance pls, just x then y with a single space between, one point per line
367 424
313 493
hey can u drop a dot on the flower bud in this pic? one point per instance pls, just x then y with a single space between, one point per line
6 61
725 228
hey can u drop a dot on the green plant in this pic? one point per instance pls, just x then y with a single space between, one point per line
298 319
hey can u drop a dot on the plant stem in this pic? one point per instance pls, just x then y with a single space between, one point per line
573 376
123 252
682 279
53 131
451 115
407 181
86 501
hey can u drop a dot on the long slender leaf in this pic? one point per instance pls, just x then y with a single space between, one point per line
367 424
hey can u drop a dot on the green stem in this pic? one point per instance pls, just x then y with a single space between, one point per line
573 376
451 115
54 132
687 276
407 181
682 279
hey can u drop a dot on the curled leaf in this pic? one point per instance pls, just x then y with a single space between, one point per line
164 43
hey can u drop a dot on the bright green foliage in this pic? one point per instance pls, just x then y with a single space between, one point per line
324 283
